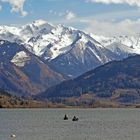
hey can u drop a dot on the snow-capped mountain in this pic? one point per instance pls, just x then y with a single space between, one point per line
68 50
130 44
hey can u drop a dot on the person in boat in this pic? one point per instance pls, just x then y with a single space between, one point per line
65 117
75 119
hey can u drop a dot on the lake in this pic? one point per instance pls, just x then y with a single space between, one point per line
48 124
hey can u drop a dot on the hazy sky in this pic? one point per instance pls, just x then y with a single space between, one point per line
103 17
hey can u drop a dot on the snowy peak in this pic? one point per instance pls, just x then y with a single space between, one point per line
125 43
130 41
36 28
42 38
67 49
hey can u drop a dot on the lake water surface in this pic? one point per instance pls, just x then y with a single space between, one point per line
48 124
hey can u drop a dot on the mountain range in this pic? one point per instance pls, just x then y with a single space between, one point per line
39 55
22 73
116 81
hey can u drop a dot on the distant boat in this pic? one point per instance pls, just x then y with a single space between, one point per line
13 135
75 118
66 117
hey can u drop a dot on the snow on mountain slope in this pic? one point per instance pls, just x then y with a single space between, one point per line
68 50
41 37
124 43
23 73
20 59
83 56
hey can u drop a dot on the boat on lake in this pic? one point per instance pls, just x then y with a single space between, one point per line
75 118
66 117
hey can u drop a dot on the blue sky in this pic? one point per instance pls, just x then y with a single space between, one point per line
106 17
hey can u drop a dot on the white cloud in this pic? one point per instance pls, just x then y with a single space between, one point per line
130 2
17 6
112 28
108 24
66 15
70 15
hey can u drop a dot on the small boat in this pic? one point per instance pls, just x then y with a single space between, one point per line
65 117
13 135
75 119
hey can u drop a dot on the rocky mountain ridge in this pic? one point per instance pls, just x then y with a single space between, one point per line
68 50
